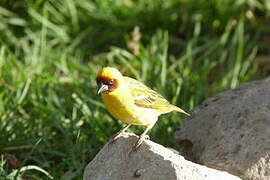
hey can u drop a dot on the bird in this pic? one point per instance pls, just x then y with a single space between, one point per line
131 102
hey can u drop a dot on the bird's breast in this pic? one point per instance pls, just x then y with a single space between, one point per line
122 107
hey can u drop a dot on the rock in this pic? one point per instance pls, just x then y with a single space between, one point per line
231 131
150 161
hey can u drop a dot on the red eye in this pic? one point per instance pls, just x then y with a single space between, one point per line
110 82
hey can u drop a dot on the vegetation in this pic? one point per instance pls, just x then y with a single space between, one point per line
52 123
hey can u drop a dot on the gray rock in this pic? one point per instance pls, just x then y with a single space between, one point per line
150 161
231 131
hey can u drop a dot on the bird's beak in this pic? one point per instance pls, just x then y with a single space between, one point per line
102 88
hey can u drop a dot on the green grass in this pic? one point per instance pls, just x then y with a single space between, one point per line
50 51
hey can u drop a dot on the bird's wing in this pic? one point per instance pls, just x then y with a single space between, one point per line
146 97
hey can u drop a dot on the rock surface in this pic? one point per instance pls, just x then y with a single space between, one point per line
150 162
231 131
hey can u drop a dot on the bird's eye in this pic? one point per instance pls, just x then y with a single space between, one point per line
111 82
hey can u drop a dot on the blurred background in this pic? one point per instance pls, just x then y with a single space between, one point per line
52 123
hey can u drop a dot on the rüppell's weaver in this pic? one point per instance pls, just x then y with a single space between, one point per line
131 102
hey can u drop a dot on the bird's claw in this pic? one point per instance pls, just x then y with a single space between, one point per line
139 142
114 138
146 137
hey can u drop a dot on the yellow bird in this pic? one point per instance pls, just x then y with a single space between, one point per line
131 101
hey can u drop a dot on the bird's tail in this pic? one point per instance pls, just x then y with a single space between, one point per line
175 108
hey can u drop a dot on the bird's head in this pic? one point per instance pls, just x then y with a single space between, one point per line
108 80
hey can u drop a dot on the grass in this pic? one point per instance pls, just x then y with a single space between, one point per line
51 121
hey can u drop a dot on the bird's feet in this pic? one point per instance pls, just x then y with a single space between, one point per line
117 135
114 137
139 142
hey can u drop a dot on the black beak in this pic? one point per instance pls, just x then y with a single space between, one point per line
102 88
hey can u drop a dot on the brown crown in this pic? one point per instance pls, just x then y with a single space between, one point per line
111 83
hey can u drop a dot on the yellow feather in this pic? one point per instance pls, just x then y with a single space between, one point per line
148 98
130 100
